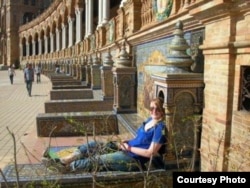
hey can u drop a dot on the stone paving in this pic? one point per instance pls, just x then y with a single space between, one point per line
18 113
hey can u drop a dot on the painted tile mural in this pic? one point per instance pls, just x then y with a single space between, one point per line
150 59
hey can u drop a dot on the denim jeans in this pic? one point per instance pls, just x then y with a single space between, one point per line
38 77
96 156
29 86
11 79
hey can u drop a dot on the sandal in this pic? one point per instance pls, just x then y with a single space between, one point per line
46 153
55 165
47 161
59 168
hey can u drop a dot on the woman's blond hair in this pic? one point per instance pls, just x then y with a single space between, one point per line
159 104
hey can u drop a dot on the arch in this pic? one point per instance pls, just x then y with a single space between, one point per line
79 4
53 27
59 22
161 95
64 15
71 9
185 91
42 38
23 43
47 31
30 44
47 34
36 41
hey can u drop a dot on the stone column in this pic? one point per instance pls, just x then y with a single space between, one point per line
78 69
71 30
122 3
45 44
21 50
27 48
79 25
96 73
57 39
105 11
39 46
71 68
124 83
88 70
51 42
107 77
83 69
64 27
90 18
74 68
86 19
100 10
33 47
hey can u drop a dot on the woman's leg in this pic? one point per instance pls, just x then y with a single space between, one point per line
83 151
117 161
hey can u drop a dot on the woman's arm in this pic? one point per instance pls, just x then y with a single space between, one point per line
152 150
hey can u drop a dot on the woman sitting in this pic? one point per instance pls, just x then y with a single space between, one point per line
129 155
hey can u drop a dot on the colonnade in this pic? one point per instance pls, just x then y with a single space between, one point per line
63 31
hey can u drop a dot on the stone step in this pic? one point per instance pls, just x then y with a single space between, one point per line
61 77
66 82
64 94
77 124
78 105
70 87
56 75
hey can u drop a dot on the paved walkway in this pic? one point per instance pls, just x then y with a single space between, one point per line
18 112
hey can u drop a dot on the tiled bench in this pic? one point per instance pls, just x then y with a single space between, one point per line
70 87
77 124
62 94
66 82
53 75
78 105
61 77
83 85
36 175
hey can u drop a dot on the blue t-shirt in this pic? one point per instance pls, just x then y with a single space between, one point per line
144 138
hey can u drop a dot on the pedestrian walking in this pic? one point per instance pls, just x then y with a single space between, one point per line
29 78
38 71
11 73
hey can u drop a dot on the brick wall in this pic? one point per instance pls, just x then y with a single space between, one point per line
225 142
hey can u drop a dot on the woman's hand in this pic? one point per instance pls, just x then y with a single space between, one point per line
124 146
